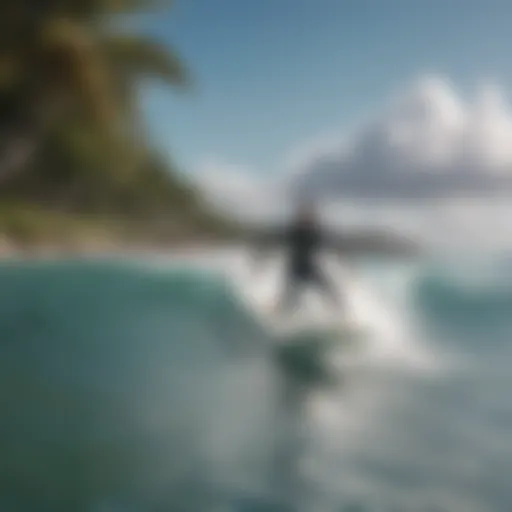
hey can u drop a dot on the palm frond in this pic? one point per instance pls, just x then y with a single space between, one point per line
130 6
92 9
138 57
76 65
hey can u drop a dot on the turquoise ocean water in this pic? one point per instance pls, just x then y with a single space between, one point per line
147 386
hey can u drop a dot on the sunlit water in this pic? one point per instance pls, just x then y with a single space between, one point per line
151 385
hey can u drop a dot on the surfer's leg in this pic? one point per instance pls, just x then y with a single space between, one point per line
327 287
289 299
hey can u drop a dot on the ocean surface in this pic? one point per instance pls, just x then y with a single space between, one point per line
152 385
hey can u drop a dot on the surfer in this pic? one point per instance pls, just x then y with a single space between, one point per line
303 240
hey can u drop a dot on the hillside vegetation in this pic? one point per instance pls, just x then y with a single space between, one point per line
73 148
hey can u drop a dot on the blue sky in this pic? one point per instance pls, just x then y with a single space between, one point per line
272 74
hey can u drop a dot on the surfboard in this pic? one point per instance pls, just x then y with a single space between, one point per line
300 323
303 339
313 318
305 326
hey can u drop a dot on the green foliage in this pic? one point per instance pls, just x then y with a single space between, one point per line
68 79
26 225
136 57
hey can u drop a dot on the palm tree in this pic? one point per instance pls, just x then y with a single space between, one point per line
61 61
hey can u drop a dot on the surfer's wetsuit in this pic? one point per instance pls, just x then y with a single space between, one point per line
303 242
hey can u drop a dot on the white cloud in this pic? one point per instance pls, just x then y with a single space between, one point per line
428 143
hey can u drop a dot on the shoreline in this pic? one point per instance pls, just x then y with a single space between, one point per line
11 250
108 245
